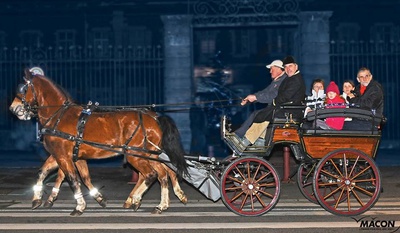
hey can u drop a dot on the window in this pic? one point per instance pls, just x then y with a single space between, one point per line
65 38
383 32
101 41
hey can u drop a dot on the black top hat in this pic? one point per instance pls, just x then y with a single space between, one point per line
288 60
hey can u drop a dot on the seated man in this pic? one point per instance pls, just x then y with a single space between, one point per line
291 91
368 95
264 96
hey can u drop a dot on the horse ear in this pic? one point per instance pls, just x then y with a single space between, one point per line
28 74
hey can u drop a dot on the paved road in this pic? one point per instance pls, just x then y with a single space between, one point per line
293 213
290 215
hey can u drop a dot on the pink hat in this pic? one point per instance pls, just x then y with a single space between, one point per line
333 87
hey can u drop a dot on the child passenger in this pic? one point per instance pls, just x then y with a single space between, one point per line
333 100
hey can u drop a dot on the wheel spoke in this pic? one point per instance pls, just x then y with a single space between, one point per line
239 172
337 169
348 200
234 179
244 201
256 172
261 201
354 165
266 194
364 191
330 174
361 172
263 176
236 197
333 192
345 165
358 198
339 199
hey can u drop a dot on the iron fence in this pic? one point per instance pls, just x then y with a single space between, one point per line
112 76
382 59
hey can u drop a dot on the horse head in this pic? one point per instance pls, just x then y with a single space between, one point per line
30 96
24 101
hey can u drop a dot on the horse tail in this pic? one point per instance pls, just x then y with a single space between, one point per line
171 144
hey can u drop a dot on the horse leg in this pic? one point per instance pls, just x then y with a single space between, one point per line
146 178
56 189
68 167
49 165
175 184
83 170
163 179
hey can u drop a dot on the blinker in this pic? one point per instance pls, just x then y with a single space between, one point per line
21 89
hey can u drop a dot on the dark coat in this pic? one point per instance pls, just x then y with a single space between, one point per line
291 91
371 99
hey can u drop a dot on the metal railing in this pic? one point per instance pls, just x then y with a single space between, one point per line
112 76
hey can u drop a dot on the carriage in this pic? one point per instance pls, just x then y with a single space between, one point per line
337 168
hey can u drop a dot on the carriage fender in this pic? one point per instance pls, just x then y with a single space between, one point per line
199 178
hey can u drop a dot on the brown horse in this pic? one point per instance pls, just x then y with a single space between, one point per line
73 133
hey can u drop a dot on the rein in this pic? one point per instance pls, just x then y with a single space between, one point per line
151 106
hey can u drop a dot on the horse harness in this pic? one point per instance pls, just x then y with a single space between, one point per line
78 138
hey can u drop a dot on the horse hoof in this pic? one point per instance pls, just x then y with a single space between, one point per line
76 213
184 200
127 205
103 203
48 204
36 204
156 211
135 207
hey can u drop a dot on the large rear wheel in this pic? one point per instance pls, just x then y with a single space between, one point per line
354 181
250 186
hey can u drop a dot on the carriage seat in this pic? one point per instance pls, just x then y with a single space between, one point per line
288 114
356 114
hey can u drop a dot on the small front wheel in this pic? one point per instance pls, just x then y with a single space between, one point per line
250 186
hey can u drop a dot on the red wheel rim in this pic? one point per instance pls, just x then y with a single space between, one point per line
354 179
250 186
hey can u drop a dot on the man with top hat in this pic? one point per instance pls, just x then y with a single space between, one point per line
291 92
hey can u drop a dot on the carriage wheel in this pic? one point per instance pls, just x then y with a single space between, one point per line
305 175
250 186
354 179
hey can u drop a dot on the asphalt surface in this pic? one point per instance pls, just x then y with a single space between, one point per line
114 181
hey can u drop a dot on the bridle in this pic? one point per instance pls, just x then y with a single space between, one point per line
29 109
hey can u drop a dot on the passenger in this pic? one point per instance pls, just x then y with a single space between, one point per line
333 100
291 91
368 95
264 96
348 87
317 98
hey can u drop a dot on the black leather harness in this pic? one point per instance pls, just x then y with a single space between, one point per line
78 138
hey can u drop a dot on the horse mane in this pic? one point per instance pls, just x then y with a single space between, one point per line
57 86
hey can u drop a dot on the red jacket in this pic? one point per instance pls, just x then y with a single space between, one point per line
335 122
